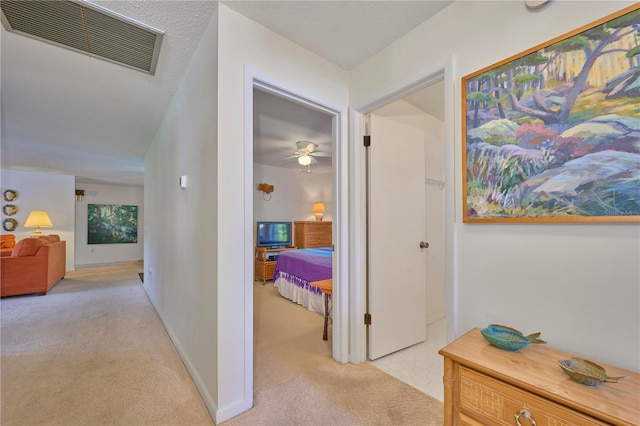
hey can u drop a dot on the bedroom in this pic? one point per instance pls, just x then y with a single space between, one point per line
290 190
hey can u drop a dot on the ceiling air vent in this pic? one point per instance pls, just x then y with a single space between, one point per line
85 28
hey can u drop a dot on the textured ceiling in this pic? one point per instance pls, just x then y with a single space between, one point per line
64 112
345 32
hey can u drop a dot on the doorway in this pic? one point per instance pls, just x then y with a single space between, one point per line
420 365
408 105
337 202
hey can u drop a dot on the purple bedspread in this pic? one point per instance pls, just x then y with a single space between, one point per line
307 264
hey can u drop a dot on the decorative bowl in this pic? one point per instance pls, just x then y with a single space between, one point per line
507 338
587 372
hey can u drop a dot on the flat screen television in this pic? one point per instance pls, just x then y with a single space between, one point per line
274 234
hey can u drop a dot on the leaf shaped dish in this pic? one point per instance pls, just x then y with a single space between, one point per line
507 338
587 372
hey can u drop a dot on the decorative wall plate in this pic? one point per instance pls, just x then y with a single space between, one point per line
10 224
10 209
10 195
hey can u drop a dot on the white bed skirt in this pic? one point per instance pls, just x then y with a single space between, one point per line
301 296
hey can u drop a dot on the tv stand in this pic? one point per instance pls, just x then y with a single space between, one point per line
265 259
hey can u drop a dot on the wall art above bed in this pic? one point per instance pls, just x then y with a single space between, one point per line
553 134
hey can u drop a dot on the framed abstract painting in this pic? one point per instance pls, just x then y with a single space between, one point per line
553 134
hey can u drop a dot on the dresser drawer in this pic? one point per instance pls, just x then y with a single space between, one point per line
492 402
467 421
269 270
312 234
315 228
318 240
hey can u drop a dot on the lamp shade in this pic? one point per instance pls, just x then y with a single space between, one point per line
37 219
318 210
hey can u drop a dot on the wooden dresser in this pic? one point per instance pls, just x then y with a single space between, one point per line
312 234
484 385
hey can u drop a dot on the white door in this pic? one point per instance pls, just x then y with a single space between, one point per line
397 291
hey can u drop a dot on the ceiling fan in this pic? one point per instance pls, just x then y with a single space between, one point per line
305 153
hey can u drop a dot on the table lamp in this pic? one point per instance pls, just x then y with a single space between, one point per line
318 210
37 219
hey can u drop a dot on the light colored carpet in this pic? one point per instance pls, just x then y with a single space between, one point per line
94 352
287 338
297 383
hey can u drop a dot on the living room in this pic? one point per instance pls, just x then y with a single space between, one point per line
55 194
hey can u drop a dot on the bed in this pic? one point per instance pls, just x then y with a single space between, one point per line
296 269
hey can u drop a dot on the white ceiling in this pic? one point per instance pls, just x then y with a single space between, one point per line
344 32
64 112
279 123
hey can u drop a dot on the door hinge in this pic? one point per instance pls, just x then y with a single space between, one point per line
367 319
367 141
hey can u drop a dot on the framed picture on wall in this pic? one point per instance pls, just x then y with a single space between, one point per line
112 224
553 134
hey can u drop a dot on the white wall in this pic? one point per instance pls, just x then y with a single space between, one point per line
195 239
246 46
180 235
43 191
578 284
106 254
294 194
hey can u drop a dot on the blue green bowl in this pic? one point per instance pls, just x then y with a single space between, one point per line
507 338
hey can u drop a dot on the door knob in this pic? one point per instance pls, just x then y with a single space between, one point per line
424 245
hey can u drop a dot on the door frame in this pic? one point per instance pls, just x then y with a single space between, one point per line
268 83
357 188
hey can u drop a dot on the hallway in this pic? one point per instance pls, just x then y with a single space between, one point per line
93 351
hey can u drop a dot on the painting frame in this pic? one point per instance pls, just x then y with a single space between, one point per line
545 141
112 224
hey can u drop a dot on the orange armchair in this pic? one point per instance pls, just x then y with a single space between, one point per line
35 265
7 243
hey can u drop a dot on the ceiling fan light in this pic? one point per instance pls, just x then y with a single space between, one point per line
304 160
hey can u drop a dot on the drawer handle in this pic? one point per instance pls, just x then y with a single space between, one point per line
524 413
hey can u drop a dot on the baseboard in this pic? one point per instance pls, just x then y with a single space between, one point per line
99 265
204 393
437 316
232 410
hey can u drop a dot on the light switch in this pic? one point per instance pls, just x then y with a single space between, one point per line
183 181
